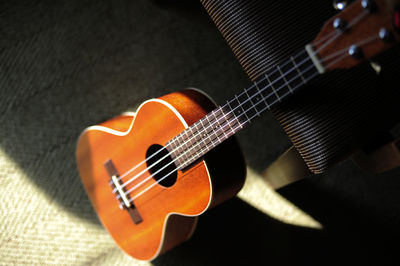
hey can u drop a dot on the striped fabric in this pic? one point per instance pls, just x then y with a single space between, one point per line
338 113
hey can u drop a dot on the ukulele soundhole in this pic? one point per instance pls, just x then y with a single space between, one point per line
164 172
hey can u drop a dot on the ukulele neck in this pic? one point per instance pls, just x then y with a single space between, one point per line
268 90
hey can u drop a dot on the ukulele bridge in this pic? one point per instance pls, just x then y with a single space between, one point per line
114 179
124 201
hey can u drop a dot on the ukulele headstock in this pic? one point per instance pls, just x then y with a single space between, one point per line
362 30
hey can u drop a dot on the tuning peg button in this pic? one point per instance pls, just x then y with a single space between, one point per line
386 35
356 52
339 24
340 4
369 5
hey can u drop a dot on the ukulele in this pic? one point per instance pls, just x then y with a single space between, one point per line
149 174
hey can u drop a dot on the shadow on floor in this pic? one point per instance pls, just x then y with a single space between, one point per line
238 234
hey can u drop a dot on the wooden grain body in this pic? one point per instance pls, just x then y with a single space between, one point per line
169 214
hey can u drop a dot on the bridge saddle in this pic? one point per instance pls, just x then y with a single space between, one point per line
124 200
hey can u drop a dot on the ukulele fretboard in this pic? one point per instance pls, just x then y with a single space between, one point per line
224 121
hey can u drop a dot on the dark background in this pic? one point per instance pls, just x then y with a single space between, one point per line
67 65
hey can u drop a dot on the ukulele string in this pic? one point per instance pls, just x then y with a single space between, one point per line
361 43
203 130
320 40
181 145
210 125
194 146
344 55
349 25
218 119
240 125
353 22
221 131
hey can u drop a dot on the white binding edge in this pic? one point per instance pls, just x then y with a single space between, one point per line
128 114
124 133
314 58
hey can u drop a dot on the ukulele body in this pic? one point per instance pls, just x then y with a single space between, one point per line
168 214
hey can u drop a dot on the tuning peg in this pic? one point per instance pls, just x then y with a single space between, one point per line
369 5
386 35
340 4
340 24
356 52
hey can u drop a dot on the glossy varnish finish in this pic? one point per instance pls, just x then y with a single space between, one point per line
206 183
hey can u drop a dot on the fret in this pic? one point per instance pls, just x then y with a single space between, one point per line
246 105
278 84
213 130
260 98
284 78
214 137
191 158
186 143
191 152
184 137
181 149
251 101
171 146
184 158
191 140
225 124
268 90
223 136
174 149
272 79
215 123
233 114
261 87
306 66
196 137
206 132
226 118
256 97
291 75
220 125
178 159
239 109
298 71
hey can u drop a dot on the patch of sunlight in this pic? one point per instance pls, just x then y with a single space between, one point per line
36 230
260 195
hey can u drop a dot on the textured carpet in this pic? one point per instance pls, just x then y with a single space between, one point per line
65 66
